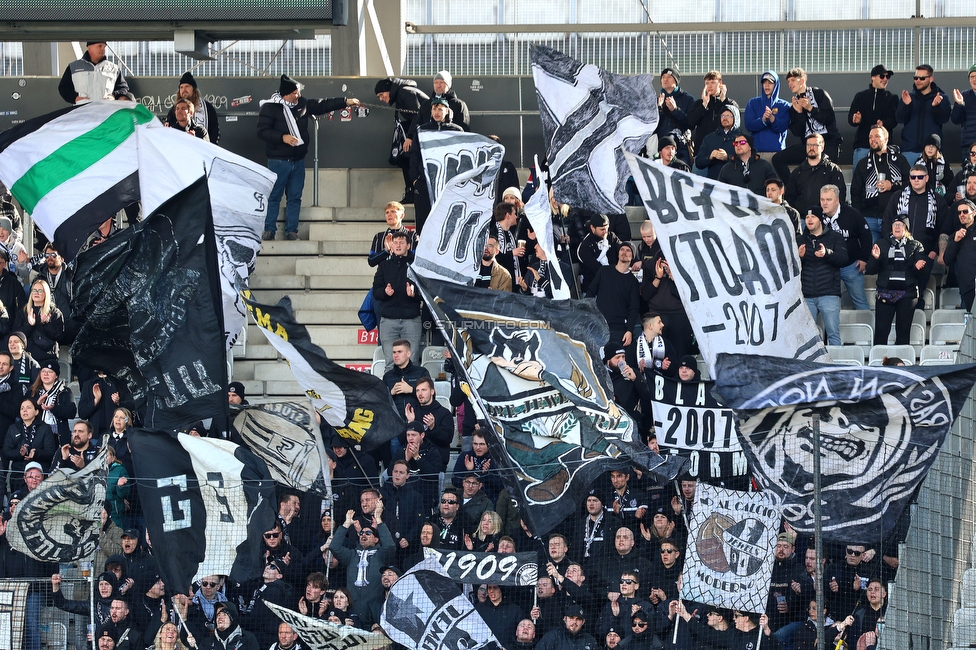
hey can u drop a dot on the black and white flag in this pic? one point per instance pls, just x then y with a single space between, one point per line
590 118
13 607
472 568
456 231
881 429
60 520
451 153
532 365
286 437
317 634
427 611
207 504
690 422
539 214
148 300
357 404
734 260
729 557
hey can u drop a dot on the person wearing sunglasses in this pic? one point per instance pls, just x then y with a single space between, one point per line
964 111
922 111
277 548
872 107
619 609
960 253
844 582
745 168
448 519
364 564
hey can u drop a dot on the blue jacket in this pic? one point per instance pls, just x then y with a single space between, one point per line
921 119
768 136
965 116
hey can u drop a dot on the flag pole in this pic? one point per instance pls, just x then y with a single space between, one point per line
91 598
818 530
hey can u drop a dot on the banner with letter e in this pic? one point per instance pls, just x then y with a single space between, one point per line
734 260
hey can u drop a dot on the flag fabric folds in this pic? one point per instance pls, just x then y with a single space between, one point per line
448 154
285 436
148 300
729 558
590 117
456 231
425 609
530 363
207 504
74 168
317 634
539 214
881 429
734 261
60 520
357 404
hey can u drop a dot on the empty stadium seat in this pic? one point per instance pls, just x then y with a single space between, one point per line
379 368
865 316
432 353
938 355
856 334
950 298
904 352
940 316
378 353
945 333
846 355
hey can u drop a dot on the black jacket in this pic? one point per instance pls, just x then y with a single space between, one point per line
734 173
407 99
820 276
888 269
855 231
561 639
704 119
823 113
393 271
803 186
717 139
873 104
918 218
921 118
213 122
864 190
589 253
459 114
403 512
961 256
272 125
411 373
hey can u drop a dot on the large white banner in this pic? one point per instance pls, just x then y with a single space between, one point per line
734 259
729 558
448 154
539 214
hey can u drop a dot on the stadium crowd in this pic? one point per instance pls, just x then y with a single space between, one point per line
612 570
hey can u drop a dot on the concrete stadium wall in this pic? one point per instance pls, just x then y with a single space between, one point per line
505 106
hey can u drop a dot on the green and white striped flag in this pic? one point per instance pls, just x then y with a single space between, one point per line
74 168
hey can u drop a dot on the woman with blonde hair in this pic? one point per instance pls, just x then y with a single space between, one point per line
168 638
41 322
485 539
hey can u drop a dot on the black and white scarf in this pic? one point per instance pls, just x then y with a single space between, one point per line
875 165
286 107
652 353
363 565
932 210
813 125
591 530
51 396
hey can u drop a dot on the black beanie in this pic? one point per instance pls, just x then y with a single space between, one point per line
383 86
187 78
287 85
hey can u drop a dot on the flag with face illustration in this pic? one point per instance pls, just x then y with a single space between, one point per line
531 363
881 429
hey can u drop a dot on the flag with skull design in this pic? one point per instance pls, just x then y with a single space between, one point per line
881 429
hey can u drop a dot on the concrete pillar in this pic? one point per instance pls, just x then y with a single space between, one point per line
356 48
44 59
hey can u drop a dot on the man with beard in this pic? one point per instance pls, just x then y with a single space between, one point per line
492 274
205 113
80 452
870 108
879 176
716 148
784 605
201 611
804 183
923 112
185 122
746 169
121 628
449 521
617 296
960 251
597 528
571 635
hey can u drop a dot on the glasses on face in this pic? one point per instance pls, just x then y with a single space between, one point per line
886 75
640 624
972 153
963 213
37 290
666 551
917 78
740 142
449 502
365 533
272 535
627 581
50 255
854 553
208 584
917 177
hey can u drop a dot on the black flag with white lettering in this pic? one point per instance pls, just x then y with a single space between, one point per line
149 303
207 504
881 429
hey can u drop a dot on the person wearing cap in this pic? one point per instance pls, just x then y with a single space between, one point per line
205 114
767 117
922 111
443 89
272 587
597 249
710 632
784 604
236 394
704 116
960 252
569 636
440 120
228 633
846 220
823 252
55 399
642 632
630 390
673 105
964 111
595 530
283 126
716 148
804 183
872 107
364 564
899 260
93 78
667 150
878 177
404 96
617 295
927 216
746 168
474 503
688 369
811 113
940 174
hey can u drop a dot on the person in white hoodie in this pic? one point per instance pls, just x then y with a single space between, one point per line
93 77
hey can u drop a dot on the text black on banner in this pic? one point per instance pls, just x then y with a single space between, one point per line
472 568
734 260
317 634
